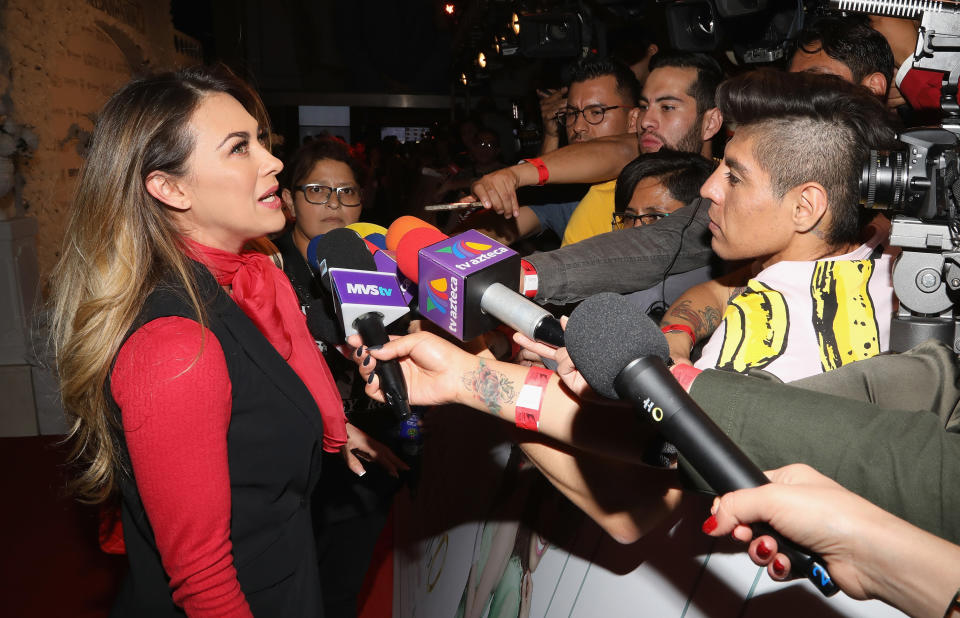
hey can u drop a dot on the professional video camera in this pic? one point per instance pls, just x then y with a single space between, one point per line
920 183
755 31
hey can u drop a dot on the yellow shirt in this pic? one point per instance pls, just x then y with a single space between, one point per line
592 215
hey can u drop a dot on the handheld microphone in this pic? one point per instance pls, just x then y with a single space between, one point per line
622 355
370 232
366 300
466 281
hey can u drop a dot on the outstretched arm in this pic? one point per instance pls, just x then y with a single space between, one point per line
598 160
590 455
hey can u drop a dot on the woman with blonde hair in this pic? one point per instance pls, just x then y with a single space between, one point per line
197 395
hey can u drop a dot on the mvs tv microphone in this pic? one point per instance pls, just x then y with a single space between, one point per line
467 281
621 355
366 300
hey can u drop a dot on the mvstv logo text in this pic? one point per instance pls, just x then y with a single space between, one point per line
368 289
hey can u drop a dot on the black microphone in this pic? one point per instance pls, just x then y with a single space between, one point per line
622 354
365 300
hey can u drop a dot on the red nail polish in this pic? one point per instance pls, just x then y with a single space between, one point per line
763 552
710 524
778 567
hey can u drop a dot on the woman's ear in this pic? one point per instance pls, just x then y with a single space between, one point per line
287 198
167 189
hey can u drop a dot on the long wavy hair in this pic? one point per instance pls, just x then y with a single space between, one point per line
120 243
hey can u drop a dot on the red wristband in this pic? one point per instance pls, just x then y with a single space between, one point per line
529 280
680 328
543 174
530 399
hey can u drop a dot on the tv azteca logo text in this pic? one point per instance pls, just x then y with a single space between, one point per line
465 249
444 299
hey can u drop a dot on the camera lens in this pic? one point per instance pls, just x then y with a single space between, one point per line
883 180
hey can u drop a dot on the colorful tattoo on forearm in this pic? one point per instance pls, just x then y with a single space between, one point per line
703 322
491 387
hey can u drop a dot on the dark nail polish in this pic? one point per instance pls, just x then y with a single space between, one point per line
366 361
359 351
763 552
778 567
370 378
710 524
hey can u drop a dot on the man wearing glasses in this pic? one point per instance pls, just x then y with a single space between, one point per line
601 102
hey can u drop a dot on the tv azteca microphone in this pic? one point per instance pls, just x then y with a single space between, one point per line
468 280
621 355
366 300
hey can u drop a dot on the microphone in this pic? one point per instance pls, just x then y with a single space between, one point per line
466 281
366 300
622 355
370 232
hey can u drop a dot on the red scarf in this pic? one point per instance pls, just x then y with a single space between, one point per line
264 293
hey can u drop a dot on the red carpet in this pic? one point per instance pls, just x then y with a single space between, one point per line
51 564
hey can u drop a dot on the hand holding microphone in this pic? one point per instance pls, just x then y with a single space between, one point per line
621 355
366 301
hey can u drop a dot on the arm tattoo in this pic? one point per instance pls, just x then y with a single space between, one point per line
491 387
703 322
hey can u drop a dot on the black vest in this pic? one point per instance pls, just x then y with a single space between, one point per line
273 445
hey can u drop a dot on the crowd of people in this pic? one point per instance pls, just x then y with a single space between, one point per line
253 461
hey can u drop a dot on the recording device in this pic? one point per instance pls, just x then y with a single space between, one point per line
468 282
919 184
366 301
755 30
622 355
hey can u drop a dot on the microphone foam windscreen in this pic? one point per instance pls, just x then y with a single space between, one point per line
409 247
605 333
400 227
321 325
343 248
312 260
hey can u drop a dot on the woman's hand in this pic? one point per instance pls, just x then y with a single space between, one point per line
432 367
360 446
814 512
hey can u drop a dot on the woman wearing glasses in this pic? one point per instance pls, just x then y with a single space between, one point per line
648 189
324 190
352 500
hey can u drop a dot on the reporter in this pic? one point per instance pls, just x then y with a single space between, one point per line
870 553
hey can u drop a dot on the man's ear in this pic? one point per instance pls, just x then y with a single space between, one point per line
712 121
167 189
876 83
810 206
633 120
652 49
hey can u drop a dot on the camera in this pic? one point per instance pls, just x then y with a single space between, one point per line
920 183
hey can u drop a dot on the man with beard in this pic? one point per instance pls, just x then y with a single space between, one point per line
677 108
601 101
